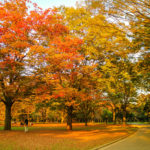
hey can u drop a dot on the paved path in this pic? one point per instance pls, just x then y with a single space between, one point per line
138 141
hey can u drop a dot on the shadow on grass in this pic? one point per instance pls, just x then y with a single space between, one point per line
75 128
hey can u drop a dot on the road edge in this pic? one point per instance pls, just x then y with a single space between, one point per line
114 141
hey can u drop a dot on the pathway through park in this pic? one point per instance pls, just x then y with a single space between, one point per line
138 141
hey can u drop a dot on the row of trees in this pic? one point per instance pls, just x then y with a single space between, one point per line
46 112
74 59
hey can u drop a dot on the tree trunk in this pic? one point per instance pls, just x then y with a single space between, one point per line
124 115
86 120
114 116
7 125
37 119
62 117
69 117
106 120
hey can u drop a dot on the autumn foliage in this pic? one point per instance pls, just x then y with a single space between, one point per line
71 58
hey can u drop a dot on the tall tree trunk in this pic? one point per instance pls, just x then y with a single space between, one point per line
106 120
7 125
38 119
114 116
69 117
62 117
124 115
86 120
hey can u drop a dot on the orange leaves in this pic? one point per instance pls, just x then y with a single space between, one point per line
59 29
20 44
69 95
85 96
65 52
14 24
42 93
68 44
47 23
50 52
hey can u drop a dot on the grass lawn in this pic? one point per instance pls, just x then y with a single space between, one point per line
56 137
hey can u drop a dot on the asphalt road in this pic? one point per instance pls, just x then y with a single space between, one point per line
138 141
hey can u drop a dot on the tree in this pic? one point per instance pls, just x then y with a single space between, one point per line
133 18
113 101
120 82
142 107
104 42
89 93
147 107
54 63
15 41
22 33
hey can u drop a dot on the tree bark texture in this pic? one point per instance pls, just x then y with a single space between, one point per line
114 116
86 121
124 115
7 125
69 117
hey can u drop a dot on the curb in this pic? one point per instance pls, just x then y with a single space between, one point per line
115 141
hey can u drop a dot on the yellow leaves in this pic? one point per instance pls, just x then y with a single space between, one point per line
126 75
97 21
109 67
91 50
4 51
43 98
77 19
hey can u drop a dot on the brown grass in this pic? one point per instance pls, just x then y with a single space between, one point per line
57 138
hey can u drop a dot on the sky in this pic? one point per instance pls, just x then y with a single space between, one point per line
50 3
